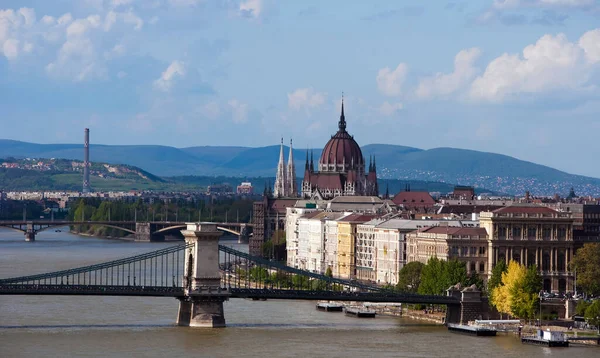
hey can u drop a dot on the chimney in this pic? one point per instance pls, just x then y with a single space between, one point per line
86 161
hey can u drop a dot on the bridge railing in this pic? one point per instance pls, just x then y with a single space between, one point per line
162 268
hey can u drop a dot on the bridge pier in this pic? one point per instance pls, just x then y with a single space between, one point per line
471 305
202 305
143 232
244 234
30 233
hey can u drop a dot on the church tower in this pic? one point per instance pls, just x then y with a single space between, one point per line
291 185
280 189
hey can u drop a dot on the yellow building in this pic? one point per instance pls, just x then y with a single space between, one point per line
532 235
346 249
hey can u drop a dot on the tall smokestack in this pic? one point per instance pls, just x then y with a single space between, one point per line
86 162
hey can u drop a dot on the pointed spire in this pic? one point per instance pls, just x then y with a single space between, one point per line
312 166
370 163
374 165
291 187
387 191
280 178
306 164
342 122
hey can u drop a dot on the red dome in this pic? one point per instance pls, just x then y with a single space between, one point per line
341 148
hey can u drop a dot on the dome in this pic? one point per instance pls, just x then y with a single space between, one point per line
341 149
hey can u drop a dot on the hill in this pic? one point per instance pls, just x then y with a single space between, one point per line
496 172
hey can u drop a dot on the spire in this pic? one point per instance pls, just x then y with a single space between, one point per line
370 163
280 178
374 165
291 187
342 122
387 191
306 164
312 166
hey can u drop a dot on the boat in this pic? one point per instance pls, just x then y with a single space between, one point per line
360 312
547 338
330 307
478 331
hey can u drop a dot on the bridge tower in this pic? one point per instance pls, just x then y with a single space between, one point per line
202 305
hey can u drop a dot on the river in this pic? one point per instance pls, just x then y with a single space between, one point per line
70 326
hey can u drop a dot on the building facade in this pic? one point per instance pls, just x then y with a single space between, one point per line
285 178
532 235
467 244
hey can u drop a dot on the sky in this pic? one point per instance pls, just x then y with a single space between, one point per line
516 77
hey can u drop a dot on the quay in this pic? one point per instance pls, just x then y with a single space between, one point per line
330 307
360 312
472 330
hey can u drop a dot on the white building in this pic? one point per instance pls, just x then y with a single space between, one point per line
366 255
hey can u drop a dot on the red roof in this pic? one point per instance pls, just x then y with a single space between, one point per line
280 205
463 231
525 209
413 198
358 218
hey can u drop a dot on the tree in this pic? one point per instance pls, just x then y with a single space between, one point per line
432 274
517 293
587 263
328 272
409 277
592 314
454 272
582 305
496 279
475 279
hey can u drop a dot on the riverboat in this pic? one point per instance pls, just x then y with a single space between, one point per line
330 307
360 312
547 338
472 330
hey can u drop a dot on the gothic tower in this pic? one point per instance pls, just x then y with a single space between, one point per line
280 189
291 185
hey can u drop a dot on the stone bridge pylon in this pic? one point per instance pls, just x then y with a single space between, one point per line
202 305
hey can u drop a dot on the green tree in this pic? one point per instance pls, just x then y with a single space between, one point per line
587 263
432 275
328 272
409 277
475 279
582 305
592 314
496 279
454 272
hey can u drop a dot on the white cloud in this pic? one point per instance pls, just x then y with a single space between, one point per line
390 82
81 26
444 84
11 49
552 63
305 98
590 43
251 8
121 74
13 30
165 82
388 109
239 111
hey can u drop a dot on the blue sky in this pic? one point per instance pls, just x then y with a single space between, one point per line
517 77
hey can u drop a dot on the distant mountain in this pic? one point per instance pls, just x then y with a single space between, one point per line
496 172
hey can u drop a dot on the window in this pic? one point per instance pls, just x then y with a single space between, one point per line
464 251
502 232
481 267
546 232
531 232
472 266
482 250
473 251
516 232
562 232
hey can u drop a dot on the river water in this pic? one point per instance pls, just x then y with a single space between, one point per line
70 326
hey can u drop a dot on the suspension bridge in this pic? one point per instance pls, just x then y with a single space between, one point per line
202 274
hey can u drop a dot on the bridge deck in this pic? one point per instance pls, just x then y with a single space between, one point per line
282 294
